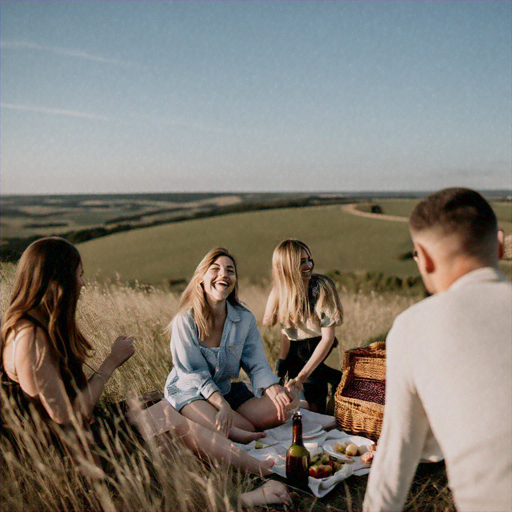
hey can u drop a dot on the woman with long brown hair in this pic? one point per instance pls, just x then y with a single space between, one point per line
43 349
213 336
43 352
308 308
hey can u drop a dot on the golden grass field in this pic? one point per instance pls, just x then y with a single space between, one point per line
38 480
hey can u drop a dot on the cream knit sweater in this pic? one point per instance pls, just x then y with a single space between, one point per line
449 386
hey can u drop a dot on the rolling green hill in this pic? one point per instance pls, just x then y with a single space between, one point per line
339 241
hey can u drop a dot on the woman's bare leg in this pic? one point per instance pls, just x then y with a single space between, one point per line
162 418
210 444
203 408
200 411
261 412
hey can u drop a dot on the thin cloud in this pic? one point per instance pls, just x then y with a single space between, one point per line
87 115
204 127
23 45
53 111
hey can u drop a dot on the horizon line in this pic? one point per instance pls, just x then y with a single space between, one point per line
245 192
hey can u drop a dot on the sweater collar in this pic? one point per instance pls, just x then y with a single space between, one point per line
484 274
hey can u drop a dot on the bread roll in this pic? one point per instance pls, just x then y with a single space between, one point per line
351 450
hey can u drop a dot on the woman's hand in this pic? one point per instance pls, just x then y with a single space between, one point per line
297 383
224 418
122 349
280 399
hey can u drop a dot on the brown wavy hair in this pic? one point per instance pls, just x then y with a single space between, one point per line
46 283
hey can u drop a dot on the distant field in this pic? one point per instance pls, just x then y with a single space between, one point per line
339 241
400 207
152 244
25 216
79 218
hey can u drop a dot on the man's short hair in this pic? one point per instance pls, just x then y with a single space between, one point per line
459 211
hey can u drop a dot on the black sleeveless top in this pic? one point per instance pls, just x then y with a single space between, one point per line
29 411
24 403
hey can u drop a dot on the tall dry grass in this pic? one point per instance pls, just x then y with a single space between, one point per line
367 316
36 477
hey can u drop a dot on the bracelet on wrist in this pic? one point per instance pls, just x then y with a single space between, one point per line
303 379
101 377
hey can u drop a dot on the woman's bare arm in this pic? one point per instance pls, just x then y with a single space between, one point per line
39 376
122 349
284 346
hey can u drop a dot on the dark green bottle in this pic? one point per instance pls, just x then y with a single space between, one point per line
297 456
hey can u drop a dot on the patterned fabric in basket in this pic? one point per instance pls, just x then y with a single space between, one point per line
368 390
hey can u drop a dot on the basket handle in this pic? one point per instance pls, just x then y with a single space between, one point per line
347 376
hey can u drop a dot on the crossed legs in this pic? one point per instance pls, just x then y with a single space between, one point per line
202 412
254 414
162 418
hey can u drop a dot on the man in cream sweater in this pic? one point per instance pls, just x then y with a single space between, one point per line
449 383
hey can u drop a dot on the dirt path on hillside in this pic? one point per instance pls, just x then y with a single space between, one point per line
352 210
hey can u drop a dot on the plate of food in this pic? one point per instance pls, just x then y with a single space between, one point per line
323 466
353 450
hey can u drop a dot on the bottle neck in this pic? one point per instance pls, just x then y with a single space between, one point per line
297 431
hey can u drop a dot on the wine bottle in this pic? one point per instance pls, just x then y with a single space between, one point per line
297 456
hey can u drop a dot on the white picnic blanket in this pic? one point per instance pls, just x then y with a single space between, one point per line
315 437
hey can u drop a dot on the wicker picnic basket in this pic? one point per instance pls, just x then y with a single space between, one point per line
359 399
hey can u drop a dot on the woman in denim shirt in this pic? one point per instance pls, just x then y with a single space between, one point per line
212 337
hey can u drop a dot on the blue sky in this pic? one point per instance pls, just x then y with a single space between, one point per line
158 96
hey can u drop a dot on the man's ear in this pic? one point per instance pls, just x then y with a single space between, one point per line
501 243
425 259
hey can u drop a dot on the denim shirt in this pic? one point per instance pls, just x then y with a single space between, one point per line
200 371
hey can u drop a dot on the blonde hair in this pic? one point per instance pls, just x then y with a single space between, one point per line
293 305
194 296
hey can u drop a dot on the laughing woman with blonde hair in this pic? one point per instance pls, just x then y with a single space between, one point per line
212 337
308 308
